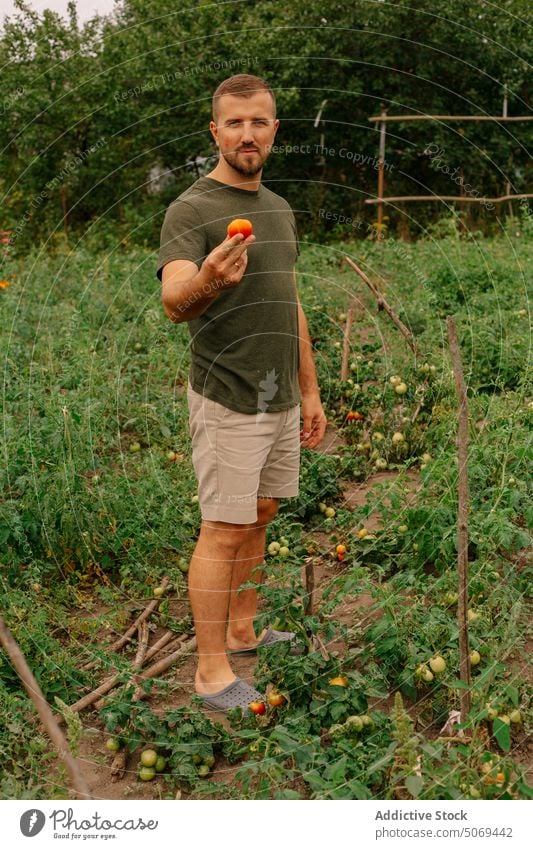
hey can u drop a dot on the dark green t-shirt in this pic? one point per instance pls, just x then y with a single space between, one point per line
244 347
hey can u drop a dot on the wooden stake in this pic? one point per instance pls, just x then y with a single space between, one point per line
383 305
346 344
44 710
381 175
462 517
310 585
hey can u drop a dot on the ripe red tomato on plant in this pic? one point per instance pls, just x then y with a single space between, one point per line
257 707
240 225
354 416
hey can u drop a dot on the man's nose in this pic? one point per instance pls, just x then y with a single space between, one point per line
246 132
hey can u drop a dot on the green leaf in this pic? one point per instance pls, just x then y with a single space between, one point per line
456 684
414 785
166 431
512 694
383 761
502 733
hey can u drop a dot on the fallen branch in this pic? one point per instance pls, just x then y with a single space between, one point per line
118 644
160 644
113 681
143 645
383 305
44 710
162 666
156 669
462 517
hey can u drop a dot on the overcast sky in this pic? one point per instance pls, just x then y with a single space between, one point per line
86 8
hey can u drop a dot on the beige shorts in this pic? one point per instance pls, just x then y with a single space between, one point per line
239 457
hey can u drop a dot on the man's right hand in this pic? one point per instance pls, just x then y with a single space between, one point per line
224 267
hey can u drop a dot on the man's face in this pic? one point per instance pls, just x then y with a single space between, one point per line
245 123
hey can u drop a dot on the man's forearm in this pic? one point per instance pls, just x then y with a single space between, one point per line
188 299
306 372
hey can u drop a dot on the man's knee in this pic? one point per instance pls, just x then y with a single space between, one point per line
226 536
266 510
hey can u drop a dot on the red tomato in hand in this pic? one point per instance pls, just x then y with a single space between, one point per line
240 225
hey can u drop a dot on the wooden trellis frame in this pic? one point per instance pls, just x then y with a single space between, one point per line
382 119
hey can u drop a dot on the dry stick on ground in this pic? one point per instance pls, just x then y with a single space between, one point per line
44 710
162 666
142 648
114 680
382 304
157 668
462 517
118 644
159 644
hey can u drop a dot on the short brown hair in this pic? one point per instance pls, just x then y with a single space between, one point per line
241 85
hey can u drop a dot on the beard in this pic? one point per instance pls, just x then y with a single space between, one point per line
243 165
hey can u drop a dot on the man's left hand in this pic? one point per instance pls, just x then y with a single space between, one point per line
314 421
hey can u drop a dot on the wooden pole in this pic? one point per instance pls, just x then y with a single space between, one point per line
381 174
44 710
383 305
462 517
378 118
452 198
346 344
310 585
507 184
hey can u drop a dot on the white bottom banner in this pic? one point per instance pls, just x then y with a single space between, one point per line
314 824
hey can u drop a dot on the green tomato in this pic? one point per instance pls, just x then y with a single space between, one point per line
146 773
437 664
203 770
112 745
210 761
160 764
355 722
148 757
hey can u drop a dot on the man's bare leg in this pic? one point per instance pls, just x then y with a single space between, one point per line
251 554
210 576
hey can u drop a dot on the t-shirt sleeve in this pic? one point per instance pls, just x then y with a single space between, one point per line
183 236
295 228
